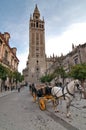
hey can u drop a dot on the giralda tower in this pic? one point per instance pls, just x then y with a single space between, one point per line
37 62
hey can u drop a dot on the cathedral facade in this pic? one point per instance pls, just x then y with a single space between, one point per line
38 64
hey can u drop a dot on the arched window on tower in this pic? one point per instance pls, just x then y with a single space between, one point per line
37 69
37 62
37 55
37 24
36 17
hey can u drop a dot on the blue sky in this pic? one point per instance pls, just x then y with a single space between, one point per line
65 23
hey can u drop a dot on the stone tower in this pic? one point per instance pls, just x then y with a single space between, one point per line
36 59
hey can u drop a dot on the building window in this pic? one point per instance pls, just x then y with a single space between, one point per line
37 69
37 24
37 62
6 54
37 55
75 58
37 49
36 17
76 61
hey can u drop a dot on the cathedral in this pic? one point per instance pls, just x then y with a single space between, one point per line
37 63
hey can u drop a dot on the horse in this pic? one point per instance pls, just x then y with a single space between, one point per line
66 93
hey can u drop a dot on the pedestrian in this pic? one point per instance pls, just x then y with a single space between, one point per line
18 85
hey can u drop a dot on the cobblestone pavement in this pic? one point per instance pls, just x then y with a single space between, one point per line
78 113
19 112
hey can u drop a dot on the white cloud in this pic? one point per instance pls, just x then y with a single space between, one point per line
76 34
23 59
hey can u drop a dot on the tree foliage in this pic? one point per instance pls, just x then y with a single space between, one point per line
47 78
5 72
78 72
60 72
17 76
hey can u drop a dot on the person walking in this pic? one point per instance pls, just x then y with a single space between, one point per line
18 85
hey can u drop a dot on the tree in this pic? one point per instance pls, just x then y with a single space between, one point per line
79 72
6 72
60 71
47 78
3 72
17 76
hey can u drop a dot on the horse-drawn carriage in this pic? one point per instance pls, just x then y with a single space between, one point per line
42 94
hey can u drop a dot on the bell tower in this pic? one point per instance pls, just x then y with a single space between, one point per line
37 62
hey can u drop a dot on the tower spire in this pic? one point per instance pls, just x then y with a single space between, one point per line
36 13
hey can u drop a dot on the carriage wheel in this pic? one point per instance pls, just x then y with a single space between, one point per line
42 104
